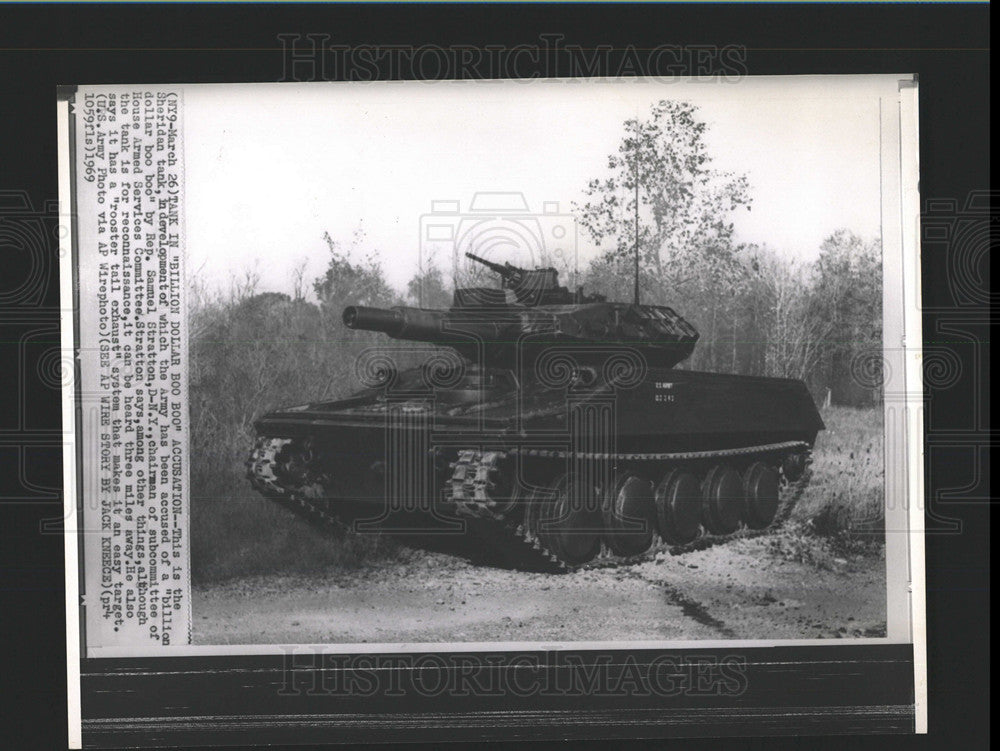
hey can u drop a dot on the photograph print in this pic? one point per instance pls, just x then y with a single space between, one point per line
557 362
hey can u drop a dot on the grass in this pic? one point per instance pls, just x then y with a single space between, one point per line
845 499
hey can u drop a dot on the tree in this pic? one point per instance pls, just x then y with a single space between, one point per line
428 288
349 280
685 232
790 340
847 293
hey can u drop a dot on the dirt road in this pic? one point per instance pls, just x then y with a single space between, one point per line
781 587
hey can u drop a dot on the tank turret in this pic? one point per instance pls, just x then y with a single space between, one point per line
531 312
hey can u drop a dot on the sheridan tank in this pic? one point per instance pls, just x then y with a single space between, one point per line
542 428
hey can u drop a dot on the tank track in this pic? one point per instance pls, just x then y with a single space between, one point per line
474 477
510 539
303 498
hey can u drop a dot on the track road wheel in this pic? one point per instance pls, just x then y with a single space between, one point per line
495 485
678 507
293 464
567 521
629 516
722 497
794 466
296 469
761 485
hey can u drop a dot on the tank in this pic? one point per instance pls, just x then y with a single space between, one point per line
536 427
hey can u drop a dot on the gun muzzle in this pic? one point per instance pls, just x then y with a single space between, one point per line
389 322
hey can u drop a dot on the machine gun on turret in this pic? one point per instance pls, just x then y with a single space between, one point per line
532 287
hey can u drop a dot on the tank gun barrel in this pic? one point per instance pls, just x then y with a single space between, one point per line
419 325
391 322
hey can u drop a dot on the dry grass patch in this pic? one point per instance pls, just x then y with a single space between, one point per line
846 496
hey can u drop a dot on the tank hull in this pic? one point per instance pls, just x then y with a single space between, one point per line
671 410
499 461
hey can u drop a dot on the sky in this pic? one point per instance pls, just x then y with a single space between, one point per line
271 168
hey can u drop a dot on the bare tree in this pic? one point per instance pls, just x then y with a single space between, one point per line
792 338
